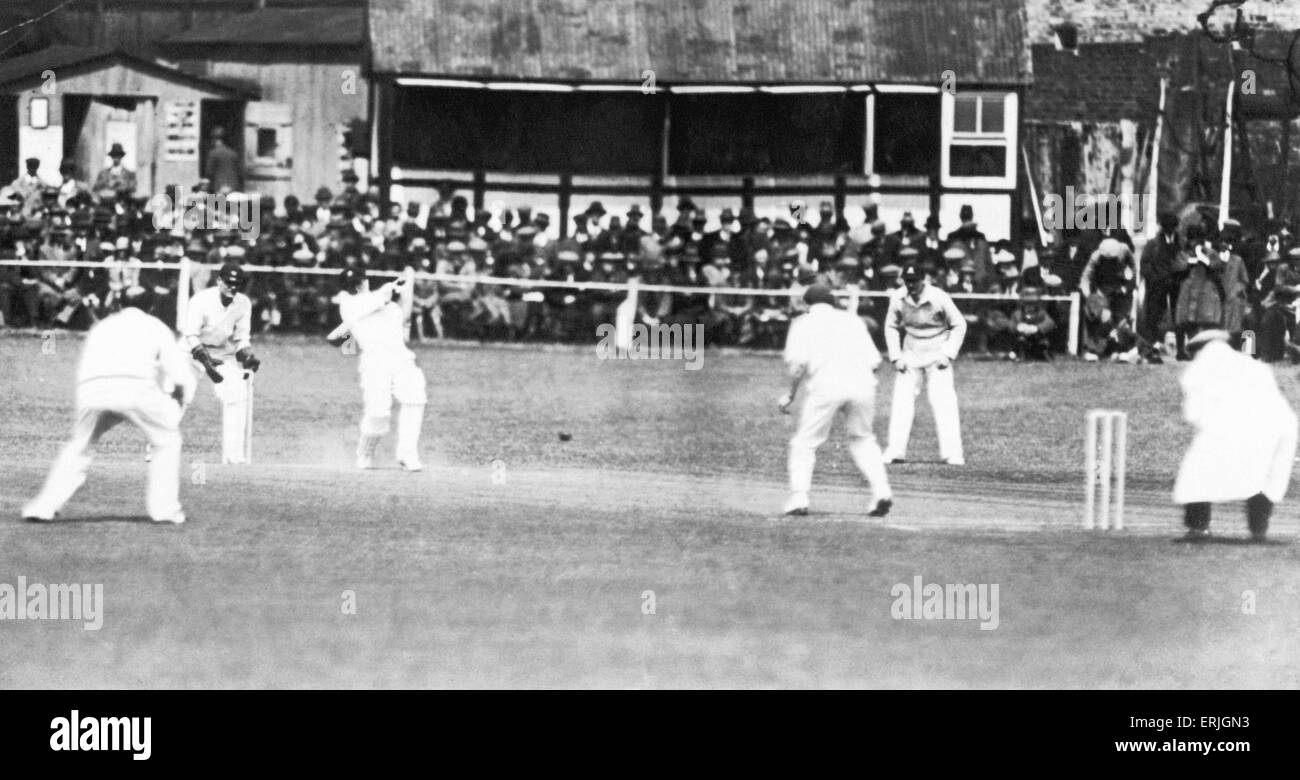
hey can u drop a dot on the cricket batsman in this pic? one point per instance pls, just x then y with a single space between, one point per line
924 331
830 355
217 327
376 321
131 370
1245 441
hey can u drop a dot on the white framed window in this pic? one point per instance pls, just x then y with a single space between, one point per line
979 139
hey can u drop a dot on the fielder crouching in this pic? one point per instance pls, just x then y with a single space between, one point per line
1245 442
830 355
217 333
118 380
377 322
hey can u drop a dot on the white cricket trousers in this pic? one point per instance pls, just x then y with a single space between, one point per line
101 405
815 420
233 395
384 380
942 394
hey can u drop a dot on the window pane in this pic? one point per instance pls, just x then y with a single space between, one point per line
765 134
994 116
966 160
963 114
266 142
907 134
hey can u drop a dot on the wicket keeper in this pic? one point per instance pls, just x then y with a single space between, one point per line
1245 442
830 356
217 333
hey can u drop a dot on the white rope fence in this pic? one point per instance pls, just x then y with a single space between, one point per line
633 287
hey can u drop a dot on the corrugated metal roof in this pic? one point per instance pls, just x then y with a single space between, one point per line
772 41
284 27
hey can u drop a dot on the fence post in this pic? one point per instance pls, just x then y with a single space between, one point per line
625 317
182 292
1075 303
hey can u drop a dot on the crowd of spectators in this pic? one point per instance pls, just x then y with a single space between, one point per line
1196 277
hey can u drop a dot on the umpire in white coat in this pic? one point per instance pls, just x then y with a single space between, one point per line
830 355
1245 442
924 331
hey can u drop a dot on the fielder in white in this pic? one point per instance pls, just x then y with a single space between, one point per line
377 322
217 333
131 370
830 355
924 331
1245 442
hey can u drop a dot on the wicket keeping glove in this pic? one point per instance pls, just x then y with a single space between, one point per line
209 363
248 360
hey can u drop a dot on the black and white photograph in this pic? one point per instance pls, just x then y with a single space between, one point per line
634 345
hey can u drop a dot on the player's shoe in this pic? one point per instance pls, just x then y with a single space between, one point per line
365 461
1259 537
1197 535
881 508
410 464
33 514
893 458
796 505
955 461
175 519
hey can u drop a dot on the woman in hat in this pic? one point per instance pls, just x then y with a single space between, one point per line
1200 298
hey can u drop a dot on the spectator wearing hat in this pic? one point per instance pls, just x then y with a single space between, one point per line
924 331
1163 268
1110 271
1280 289
116 179
223 166
567 309
70 187
1236 288
976 244
1033 327
999 333
1201 296
908 234
875 250
684 271
31 187
628 241
610 268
